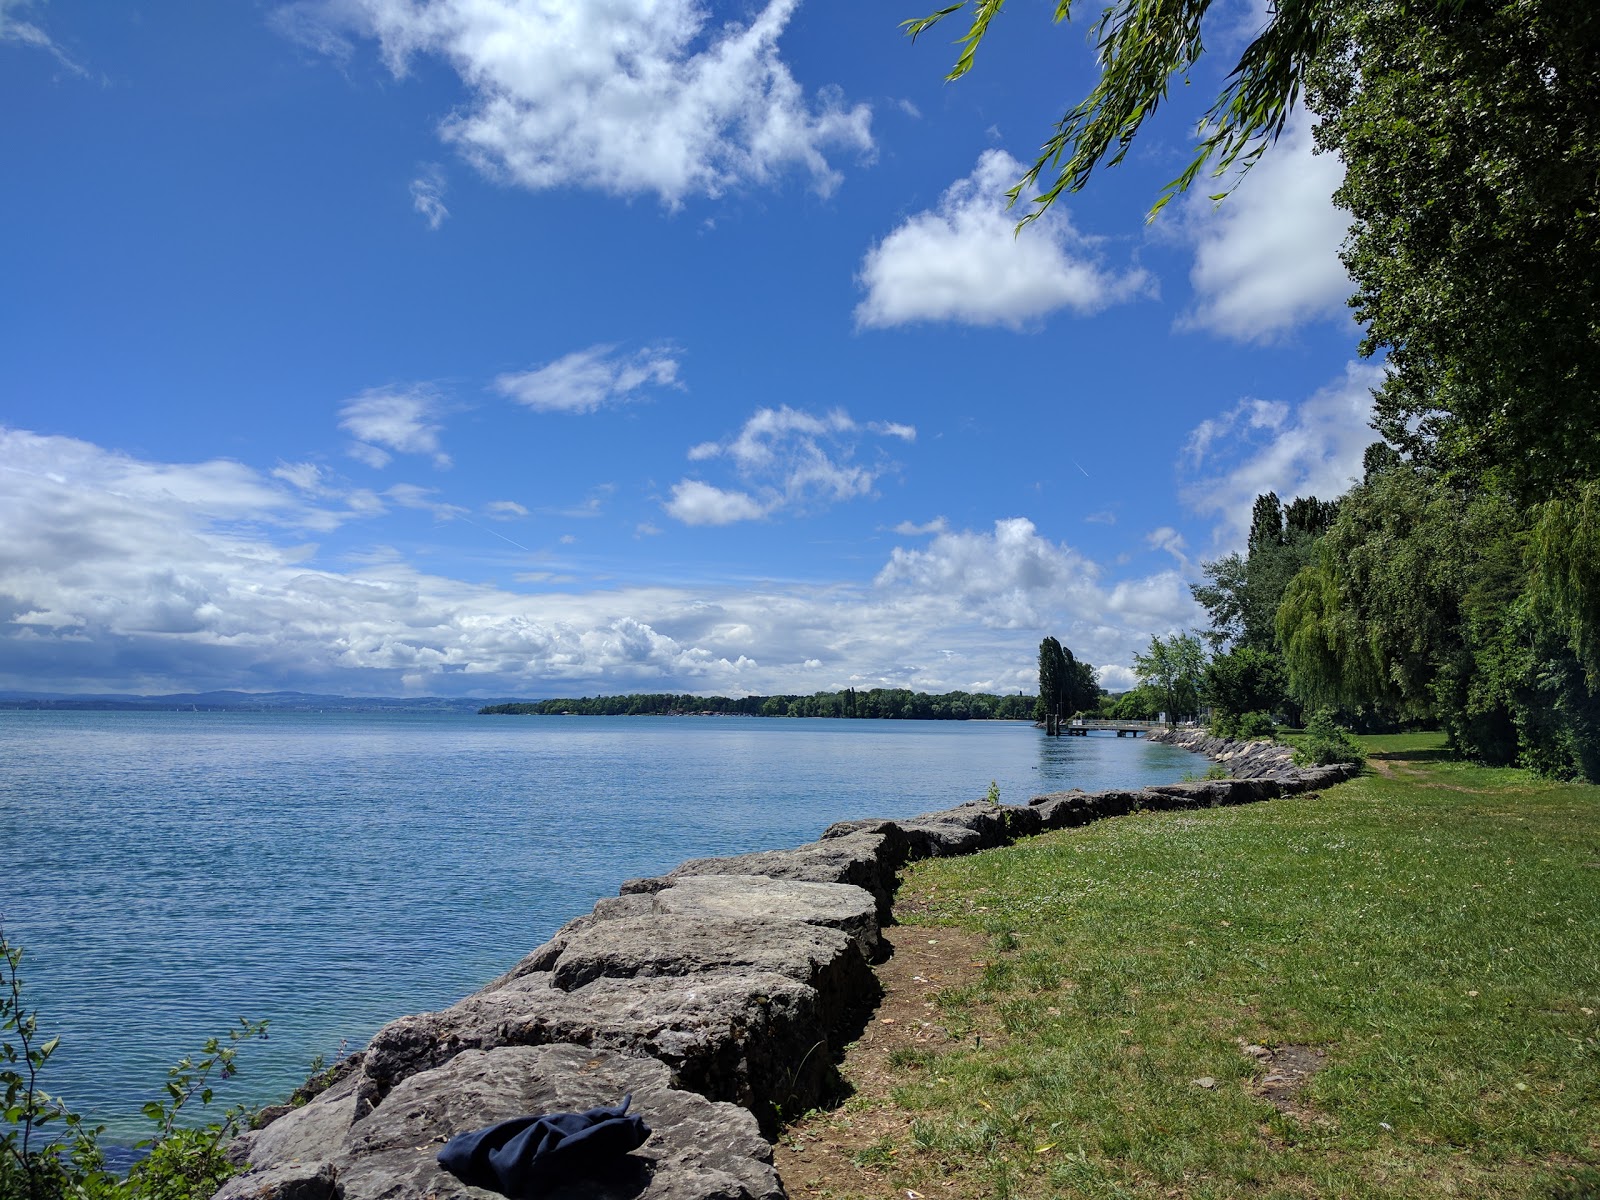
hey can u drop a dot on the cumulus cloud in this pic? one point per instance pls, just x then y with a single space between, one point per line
505 510
697 503
625 97
118 574
585 380
789 458
963 261
402 419
1313 448
1014 579
427 195
1267 258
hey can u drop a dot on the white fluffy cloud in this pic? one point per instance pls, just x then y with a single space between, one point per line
123 575
1310 449
1267 258
697 503
404 419
963 261
585 380
788 458
623 96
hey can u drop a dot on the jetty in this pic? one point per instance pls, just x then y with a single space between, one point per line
1083 727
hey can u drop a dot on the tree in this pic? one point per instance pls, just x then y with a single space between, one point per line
1244 591
1470 136
1066 685
1245 680
1431 599
1173 668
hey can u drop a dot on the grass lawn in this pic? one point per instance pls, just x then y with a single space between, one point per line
1391 989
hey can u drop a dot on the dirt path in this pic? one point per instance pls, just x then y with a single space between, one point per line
838 1153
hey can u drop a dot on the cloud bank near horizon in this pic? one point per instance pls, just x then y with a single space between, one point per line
122 574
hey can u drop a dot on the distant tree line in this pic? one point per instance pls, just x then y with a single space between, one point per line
896 704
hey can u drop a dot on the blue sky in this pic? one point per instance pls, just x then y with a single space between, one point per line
520 347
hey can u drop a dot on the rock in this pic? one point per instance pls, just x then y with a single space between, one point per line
293 1181
607 908
841 906
310 1133
697 1148
1062 810
863 859
754 1038
1206 793
822 958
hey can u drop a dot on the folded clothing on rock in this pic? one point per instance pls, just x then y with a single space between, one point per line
523 1156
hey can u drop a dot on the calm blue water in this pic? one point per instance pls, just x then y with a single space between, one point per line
170 872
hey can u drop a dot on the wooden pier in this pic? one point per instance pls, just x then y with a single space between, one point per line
1083 728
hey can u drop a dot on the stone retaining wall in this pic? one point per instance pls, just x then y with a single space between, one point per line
720 995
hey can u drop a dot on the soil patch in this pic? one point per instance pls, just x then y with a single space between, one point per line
839 1153
1285 1072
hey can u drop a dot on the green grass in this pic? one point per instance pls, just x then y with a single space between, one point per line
1434 932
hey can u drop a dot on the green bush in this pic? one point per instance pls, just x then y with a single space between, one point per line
1241 727
37 1162
1326 743
1256 725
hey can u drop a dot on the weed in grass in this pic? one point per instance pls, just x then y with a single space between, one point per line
910 1058
876 1156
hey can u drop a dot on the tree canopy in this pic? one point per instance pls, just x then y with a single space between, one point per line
1173 668
1066 685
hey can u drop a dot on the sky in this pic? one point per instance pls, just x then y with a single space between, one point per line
530 348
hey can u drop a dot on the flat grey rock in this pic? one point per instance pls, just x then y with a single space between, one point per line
754 1038
842 906
863 859
542 958
822 958
697 1148
311 1133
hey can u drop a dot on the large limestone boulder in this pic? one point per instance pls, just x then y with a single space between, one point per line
697 1148
755 1038
824 959
841 906
863 859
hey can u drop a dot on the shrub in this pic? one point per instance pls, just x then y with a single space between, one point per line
1256 725
1326 743
37 1163
1241 727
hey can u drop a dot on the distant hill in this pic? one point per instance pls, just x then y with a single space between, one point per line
231 701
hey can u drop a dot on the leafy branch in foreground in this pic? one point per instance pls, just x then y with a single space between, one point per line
183 1162
1141 45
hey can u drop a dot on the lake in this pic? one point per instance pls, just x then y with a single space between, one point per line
169 872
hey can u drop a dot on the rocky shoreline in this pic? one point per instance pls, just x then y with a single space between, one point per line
720 995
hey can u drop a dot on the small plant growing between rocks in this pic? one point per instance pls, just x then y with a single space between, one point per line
183 1162
994 794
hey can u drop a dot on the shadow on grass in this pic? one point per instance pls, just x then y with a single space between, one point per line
1433 755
